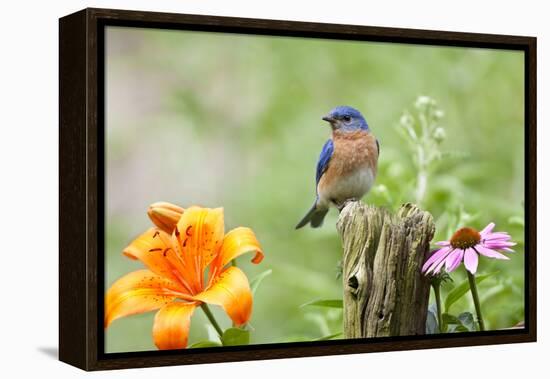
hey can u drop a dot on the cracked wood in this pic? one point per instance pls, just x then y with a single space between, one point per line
385 293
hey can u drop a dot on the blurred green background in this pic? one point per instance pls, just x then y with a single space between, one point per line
235 121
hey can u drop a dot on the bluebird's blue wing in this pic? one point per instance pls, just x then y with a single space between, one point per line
324 158
315 216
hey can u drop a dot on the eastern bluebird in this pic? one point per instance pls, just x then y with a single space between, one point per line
347 165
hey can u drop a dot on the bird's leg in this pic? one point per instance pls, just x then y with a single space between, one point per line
342 205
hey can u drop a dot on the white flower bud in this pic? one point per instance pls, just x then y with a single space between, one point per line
380 188
439 134
423 101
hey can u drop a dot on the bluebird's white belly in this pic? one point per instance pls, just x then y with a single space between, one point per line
351 186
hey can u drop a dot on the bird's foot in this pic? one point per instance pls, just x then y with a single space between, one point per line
344 203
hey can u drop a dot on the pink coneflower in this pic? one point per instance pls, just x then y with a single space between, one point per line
466 244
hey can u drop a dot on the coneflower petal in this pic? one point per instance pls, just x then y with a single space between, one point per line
453 259
434 259
457 261
490 253
471 260
488 229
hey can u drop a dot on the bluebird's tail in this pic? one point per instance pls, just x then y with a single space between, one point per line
314 216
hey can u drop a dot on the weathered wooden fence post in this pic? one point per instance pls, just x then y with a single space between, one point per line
385 293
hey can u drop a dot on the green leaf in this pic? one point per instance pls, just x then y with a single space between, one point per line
463 323
467 319
235 336
324 303
462 289
204 344
329 337
450 319
255 283
457 328
295 339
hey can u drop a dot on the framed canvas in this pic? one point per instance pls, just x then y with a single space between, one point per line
242 189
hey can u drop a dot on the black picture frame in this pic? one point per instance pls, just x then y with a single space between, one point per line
81 187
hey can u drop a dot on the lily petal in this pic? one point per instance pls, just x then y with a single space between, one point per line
471 260
171 326
198 237
237 242
138 292
231 291
152 248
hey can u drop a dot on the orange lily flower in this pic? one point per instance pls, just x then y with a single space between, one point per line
186 257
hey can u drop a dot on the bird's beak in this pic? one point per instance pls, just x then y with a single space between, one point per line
329 119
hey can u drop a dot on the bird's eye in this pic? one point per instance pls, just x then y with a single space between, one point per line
347 118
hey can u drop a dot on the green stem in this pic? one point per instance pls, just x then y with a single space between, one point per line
475 296
437 293
211 318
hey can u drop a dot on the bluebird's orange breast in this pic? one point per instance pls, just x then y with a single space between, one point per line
352 168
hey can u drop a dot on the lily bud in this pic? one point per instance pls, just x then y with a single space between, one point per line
165 215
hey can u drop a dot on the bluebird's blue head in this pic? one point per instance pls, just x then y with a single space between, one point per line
346 118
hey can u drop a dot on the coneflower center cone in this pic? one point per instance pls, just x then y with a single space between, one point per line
465 238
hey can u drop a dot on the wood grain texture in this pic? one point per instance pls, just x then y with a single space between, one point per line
73 285
530 167
305 29
385 293
81 186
